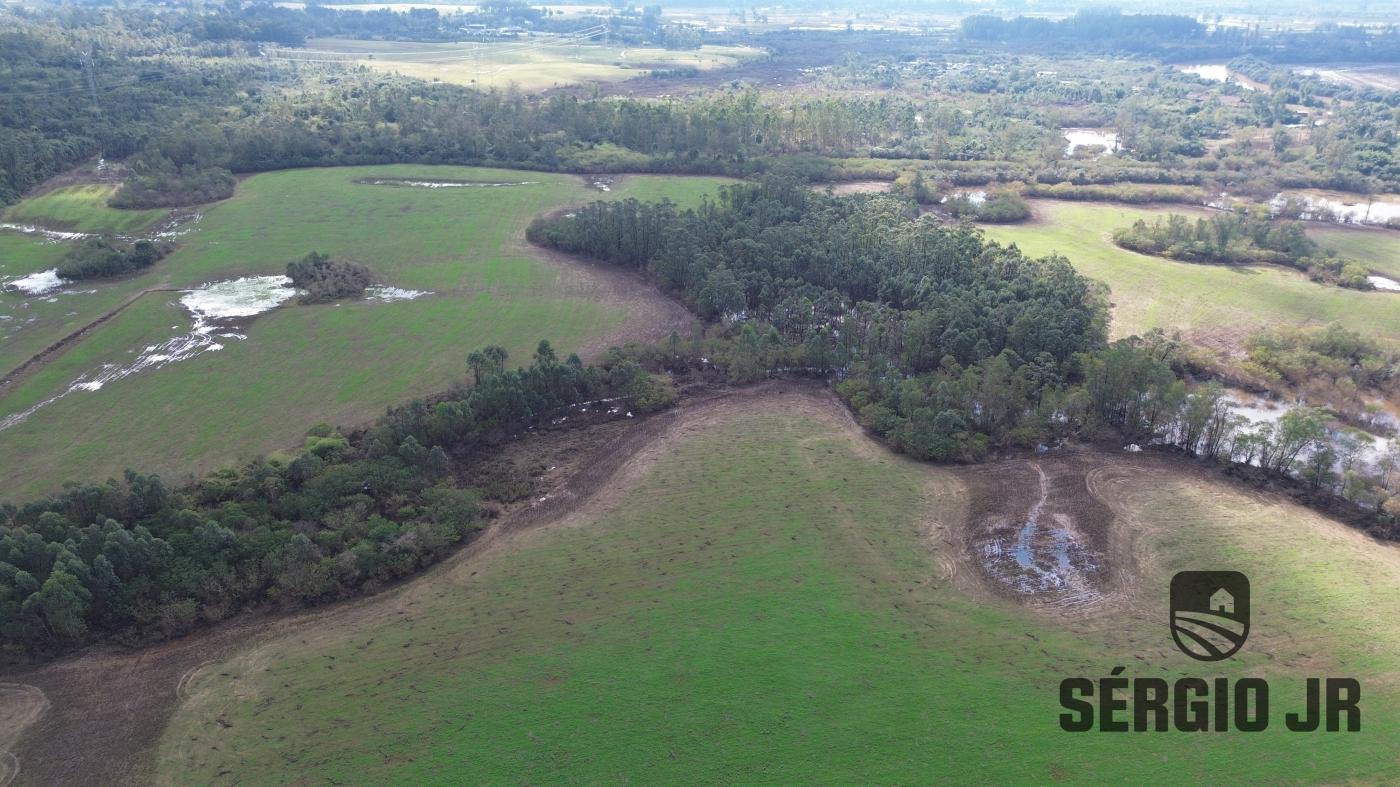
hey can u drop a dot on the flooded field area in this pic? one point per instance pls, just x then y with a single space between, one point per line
216 310
1218 72
1380 76
1091 138
1339 207
442 184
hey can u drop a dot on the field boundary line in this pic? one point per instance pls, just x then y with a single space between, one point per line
42 358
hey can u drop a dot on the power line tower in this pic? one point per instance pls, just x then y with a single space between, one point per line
88 70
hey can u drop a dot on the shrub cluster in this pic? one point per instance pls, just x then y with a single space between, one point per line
323 279
102 258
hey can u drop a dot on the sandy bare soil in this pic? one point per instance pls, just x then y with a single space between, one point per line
20 706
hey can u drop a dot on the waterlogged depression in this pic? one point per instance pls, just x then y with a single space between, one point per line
1104 138
37 283
53 236
1384 283
386 294
217 310
442 184
1041 555
215 307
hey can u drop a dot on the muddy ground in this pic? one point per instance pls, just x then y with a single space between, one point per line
1037 533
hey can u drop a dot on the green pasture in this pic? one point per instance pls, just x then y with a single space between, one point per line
766 607
1215 304
687 191
300 365
1376 249
82 208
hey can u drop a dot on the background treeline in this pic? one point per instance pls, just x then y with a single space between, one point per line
1103 30
1240 237
1184 38
49 118
256 21
186 112
138 559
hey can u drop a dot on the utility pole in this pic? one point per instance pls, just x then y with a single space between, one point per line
91 79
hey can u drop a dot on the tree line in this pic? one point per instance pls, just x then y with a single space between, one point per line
1183 38
187 112
103 258
135 559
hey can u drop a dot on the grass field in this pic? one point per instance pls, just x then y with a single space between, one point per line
341 363
763 604
531 64
1377 249
1211 303
81 208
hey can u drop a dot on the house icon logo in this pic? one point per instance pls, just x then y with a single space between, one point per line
1210 613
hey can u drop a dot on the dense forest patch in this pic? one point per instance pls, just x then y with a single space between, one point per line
861 283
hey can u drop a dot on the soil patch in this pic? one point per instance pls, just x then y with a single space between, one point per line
1037 533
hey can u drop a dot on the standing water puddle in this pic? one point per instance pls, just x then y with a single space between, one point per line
1340 208
217 309
37 283
441 184
214 308
54 236
1077 138
1043 557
